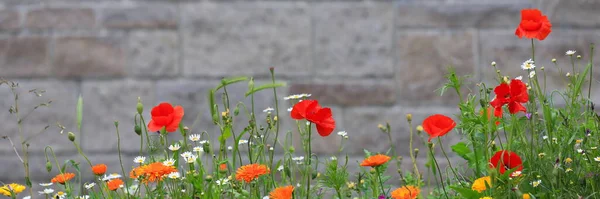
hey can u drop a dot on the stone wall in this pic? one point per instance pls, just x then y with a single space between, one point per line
372 61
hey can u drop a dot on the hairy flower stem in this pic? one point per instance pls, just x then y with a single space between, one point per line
439 171
119 150
448 159
411 150
309 167
380 181
276 124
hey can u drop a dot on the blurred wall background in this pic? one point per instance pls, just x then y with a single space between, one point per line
371 61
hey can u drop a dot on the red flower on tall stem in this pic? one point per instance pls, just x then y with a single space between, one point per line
506 160
533 25
438 125
165 116
313 112
512 94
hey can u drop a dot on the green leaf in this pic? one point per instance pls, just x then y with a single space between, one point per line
79 112
231 80
466 193
265 86
462 150
226 134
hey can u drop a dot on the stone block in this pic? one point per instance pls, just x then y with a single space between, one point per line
576 13
108 101
60 18
89 57
246 38
353 39
150 16
24 57
423 58
61 110
361 93
154 54
9 19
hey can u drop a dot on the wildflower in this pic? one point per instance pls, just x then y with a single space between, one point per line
191 159
333 158
312 111
568 160
46 192
243 142
174 147
568 75
89 185
578 141
481 184
46 184
528 65
493 63
593 148
152 172
545 137
519 77
204 142
516 173
526 196
536 183
187 154
111 176
533 25
194 137
229 148
438 125
532 74
223 181
99 169
280 168
114 184
555 140
570 52
132 189
375 160
342 133
197 149
486 197
60 195
351 185
506 160
282 192
165 116
578 56
597 159
513 95
406 192
174 175
139 159
13 187
541 155
250 172
62 178
271 148
169 162
298 159
580 151
268 110
568 170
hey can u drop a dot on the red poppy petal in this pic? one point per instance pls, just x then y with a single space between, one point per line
153 127
162 109
324 121
530 14
178 112
515 107
326 127
438 125
502 90
299 109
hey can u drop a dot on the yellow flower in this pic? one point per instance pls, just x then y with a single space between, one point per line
568 160
479 185
487 197
14 187
578 141
351 185
542 155
526 196
568 170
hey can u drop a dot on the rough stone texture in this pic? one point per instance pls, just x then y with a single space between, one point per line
151 16
60 18
154 53
24 57
108 101
37 168
423 58
246 38
353 39
63 97
88 56
576 13
506 15
349 93
9 19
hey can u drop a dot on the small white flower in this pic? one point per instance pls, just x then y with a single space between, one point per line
243 142
84 197
45 184
333 158
230 148
27 197
111 176
297 184
139 159
298 158
597 159
570 52
197 149
545 137
290 109
204 141
132 189
174 147
268 110
307 123
46 191
223 181
186 154
169 162
194 137
191 159
266 197
174 175
271 149
345 137
528 65
280 168
89 185
183 191
516 173
519 77
555 140
579 150
342 133
593 148
536 183
568 75
532 74
493 63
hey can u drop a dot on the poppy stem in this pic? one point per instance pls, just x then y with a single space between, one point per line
532 51
309 168
438 168
380 181
448 159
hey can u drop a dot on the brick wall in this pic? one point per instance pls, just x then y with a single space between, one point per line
372 61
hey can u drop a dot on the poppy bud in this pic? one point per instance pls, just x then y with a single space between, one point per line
140 106
272 69
416 152
292 149
409 117
71 136
236 111
493 63
251 84
315 175
137 129
208 178
48 166
482 103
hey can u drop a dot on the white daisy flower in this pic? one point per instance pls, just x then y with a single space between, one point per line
536 183
45 184
528 65
46 192
194 137
280 168
342 133
579 150
169 162
204 142
174 147
191 159
197 149
84 197
333 158
290 109
89 185
223 181
519 77
570 52
139 159
597 159
174 175
243 142
230 148
298 158
545 137
532 74
186 154
111 176
268 110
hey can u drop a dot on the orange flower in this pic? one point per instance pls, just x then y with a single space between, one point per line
165 116
406 192
152 172
533 25
251 172
223 167
62 178
375 160
114 184
282 193
438 125
99 169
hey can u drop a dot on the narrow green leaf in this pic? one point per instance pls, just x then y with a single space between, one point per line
265 86
466 193
230 80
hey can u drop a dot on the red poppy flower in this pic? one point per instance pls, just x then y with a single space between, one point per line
513 95
533 25
165 115
438 125
313 112
506 160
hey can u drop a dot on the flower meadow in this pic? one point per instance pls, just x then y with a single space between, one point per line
519 140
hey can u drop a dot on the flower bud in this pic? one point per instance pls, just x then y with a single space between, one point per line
292 149
373 171
416 152
236 111
138 130
48 166
542 68
419 129
140 106
578 56
409 117
71 136
208 178
553 60
493 63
